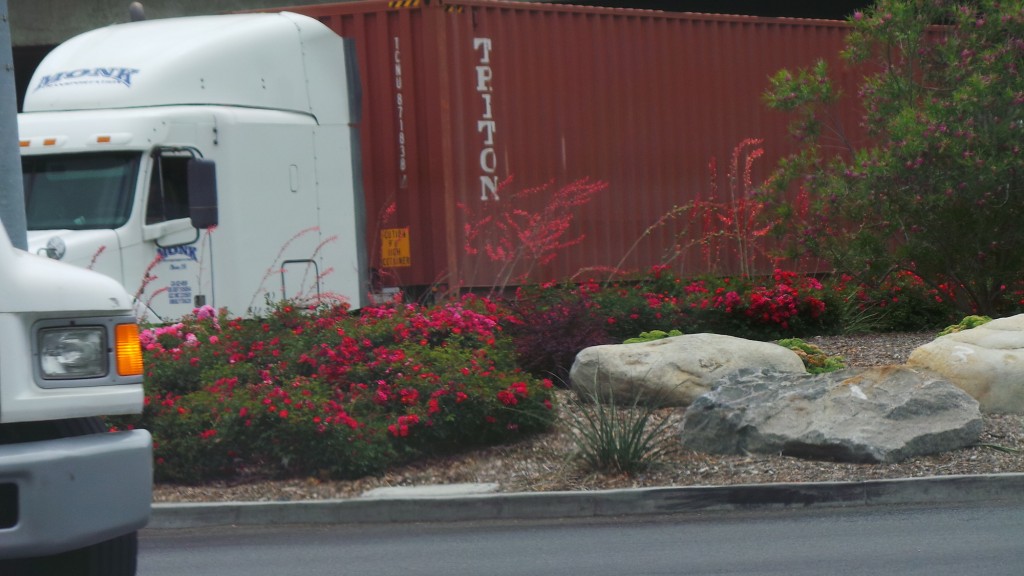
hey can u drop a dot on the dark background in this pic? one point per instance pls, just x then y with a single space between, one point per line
828 9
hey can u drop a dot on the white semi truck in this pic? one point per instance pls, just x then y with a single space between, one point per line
204 160
72 495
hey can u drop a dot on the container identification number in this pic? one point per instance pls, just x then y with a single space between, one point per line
400 108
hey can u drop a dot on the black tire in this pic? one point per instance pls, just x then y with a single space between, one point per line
114 557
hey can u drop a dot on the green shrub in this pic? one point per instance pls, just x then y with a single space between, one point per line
550 327
966 324
652 335
815 360
935 187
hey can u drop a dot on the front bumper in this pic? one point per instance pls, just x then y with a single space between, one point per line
73 492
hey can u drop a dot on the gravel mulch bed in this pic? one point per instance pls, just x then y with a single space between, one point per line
544 463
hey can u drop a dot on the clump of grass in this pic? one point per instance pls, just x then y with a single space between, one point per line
611 437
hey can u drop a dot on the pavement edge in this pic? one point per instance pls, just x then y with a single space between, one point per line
424 506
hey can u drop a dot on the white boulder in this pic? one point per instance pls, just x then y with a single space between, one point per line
673 371
987 362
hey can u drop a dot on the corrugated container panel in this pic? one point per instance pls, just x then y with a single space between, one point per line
456 93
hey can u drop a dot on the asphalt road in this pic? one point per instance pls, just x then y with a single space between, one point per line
982 539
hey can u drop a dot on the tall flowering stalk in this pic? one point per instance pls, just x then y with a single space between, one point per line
741 215
307 293
520 239
714 221
95 257
147 278
736 219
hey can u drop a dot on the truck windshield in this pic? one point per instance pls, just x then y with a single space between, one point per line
79 191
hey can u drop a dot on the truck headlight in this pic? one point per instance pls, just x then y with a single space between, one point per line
73 352
77 352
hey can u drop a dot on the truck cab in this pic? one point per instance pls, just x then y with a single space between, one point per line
72 494
202 160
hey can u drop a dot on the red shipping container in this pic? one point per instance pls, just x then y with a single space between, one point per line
459 96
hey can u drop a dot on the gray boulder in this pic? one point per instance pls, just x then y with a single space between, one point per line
987 362
874 415
673 371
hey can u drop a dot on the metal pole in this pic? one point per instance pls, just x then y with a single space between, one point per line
12 193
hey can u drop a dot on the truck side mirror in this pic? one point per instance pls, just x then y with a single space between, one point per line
202 192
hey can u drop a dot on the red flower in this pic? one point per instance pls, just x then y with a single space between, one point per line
401 428
408 396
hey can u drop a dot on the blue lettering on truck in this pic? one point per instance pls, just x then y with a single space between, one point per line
179 291
173 253
89 76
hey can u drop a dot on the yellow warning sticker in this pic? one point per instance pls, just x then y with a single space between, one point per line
394 251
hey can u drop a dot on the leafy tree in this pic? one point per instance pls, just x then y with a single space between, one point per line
939 189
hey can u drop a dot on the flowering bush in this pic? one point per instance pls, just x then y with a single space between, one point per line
785 304
325 392
898 302
331 393
788 304
553 323
632 308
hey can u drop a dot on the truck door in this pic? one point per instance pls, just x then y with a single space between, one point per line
173 282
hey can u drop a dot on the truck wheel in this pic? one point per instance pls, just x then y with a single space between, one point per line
114 557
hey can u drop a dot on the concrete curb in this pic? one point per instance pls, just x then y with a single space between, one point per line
423 505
